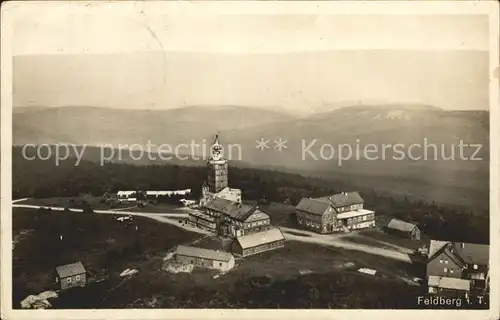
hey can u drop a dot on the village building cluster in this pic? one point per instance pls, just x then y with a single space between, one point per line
222 212
458 269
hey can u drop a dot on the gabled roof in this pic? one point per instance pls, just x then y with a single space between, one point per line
314 206
257 215
401 225
203 253
263 237
346 199
449 283
438 247
466 253
69 270
435 246
238 211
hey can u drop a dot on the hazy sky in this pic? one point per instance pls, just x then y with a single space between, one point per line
292 61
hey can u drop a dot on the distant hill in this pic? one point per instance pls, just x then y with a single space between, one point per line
17 110
433 179
458 182
98 125
363 125
366 103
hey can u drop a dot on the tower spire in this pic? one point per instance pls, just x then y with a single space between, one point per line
216 149
216 142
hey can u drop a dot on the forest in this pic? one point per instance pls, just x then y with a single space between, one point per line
43 179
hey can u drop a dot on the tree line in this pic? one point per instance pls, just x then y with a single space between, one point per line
42 179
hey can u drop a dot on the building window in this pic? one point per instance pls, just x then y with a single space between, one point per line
445 269
68 280
440 260
446 261
451 270
475 267
220 264
77 278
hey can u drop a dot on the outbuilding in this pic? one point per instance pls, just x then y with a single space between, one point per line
212 259
71 275
258 242
403 229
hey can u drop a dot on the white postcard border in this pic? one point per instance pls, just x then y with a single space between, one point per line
489 8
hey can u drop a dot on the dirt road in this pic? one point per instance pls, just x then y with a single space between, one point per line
334 240
117 211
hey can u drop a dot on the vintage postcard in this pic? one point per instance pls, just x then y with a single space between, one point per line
270 159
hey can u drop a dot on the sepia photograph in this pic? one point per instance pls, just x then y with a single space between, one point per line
163 155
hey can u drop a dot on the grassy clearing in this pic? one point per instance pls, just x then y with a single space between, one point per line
367 241
104 245
378 235
274 279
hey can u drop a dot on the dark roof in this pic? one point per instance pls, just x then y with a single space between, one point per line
315 206
69 270
401 225
455 258
346 199
466 253
238 211
203 253
472 253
